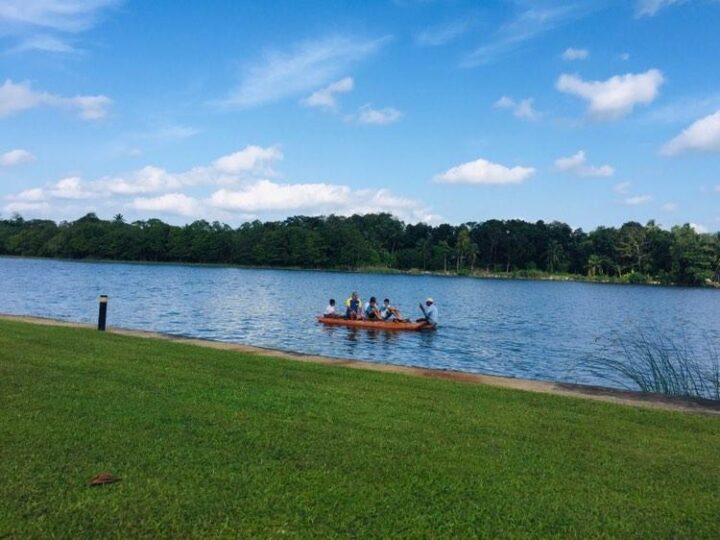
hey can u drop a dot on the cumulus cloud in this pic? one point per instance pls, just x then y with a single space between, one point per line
317 198
267 195
251 159
571 54
637 200
15 157
171 203
325 98
21 207
700 229
648 8
18 97
29 195
238 191
521 109
703 135
73 187
386 115
485 172
576 164
617 96
307 65
669 207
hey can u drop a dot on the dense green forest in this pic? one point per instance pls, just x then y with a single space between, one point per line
633 253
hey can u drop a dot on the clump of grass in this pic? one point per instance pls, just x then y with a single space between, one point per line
652 361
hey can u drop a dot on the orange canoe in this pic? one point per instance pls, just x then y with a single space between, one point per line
378 325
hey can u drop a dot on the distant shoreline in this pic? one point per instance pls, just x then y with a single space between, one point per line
518 275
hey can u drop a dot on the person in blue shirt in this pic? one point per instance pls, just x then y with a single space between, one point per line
430 312
371 309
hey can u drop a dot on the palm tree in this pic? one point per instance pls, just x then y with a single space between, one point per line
554 256
594 265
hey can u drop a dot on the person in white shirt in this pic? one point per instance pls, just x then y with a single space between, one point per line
390 312
330 310
430 312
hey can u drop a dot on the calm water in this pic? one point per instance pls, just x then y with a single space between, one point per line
525 329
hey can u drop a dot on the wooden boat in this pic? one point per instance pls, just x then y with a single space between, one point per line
376 325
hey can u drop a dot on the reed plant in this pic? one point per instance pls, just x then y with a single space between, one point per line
649 360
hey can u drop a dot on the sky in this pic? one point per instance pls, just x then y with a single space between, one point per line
594 112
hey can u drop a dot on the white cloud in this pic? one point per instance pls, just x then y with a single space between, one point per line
637 200
325 98
442 34
15 157
72 187
251 159
702 136
615 97
29 195
577 164
669 207
171 203
482 171
571 54
62 15
623 188
238 192
20 207
521 109
44 43
527 25
267 195
648 8
700 229
386 115
149 179
308 65
39 23
18 97
317 198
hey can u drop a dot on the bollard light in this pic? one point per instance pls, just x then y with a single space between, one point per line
102 314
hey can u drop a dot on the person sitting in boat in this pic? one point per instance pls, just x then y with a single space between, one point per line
430 312
330 310
388 312
353 307
371 310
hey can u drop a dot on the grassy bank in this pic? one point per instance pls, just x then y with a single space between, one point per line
218 443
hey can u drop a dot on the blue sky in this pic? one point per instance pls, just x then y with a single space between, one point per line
593 112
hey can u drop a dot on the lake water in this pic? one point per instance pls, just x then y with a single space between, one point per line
529 329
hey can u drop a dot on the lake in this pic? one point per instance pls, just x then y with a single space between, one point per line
529 329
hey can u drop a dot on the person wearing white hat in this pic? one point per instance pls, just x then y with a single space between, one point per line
430 312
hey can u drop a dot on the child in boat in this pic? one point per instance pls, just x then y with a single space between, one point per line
353 307
371 310
389 312
330 310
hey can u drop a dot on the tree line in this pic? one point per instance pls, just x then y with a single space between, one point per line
633 253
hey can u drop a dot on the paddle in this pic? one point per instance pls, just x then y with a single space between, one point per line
422 308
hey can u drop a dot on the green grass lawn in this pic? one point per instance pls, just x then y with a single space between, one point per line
216 443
